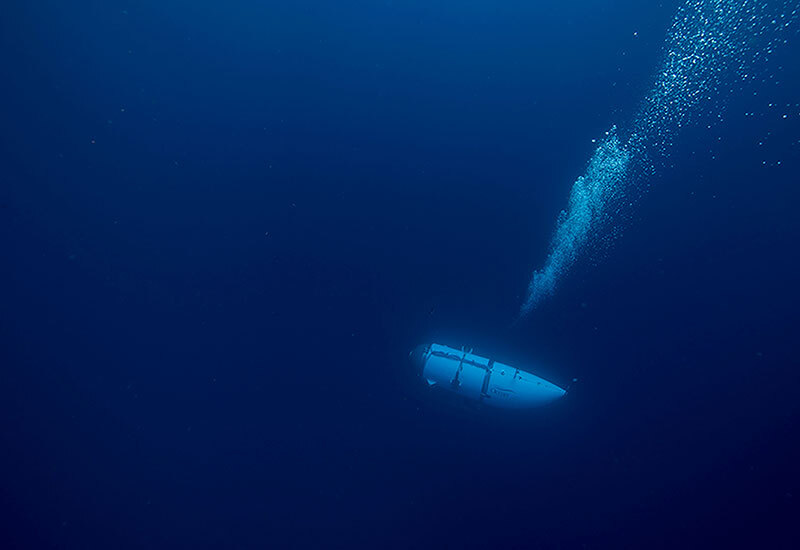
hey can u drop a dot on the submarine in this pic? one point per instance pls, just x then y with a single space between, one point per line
481 379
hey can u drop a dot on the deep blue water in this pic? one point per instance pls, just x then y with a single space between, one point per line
224 227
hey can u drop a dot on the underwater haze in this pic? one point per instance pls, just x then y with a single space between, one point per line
225 226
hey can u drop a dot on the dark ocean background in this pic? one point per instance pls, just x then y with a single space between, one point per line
225 225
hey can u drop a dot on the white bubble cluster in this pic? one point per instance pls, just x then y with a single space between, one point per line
590 203
710 45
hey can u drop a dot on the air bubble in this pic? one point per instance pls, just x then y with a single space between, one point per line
709 42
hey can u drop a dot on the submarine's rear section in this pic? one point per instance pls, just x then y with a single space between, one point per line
481 379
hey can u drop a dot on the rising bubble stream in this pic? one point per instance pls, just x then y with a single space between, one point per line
711 44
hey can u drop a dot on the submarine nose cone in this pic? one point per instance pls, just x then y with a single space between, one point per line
418 356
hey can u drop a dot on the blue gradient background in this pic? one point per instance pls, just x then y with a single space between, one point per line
223 228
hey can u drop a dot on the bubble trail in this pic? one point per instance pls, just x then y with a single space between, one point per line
710 43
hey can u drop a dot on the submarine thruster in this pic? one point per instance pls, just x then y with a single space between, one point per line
482 379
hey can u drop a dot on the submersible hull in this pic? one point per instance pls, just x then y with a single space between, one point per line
481 379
